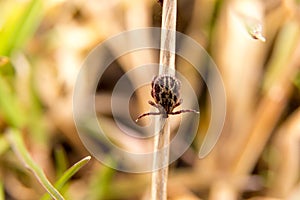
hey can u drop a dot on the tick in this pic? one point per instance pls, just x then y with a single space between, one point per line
165 92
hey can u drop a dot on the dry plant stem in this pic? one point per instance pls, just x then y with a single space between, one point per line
168 37
161 160
286 167
268 113
167 66
222 190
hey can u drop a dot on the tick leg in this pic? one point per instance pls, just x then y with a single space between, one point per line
153 104
146 114
183 111
178 103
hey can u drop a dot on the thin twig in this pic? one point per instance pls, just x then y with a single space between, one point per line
161 160
167 66
168 37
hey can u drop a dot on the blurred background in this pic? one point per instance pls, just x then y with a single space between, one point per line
44 43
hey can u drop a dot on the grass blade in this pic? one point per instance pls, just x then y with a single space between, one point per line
3 145
68 174
16 141
60 160
9 107
19 26
71 171
2 196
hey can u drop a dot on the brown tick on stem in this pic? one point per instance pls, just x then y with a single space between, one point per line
165 92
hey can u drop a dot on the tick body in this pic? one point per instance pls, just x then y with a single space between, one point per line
166 94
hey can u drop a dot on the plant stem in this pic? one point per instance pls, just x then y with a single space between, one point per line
278 89
161 160
168 37
162 125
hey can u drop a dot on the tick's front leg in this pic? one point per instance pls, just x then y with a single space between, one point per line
153 104
146 114
178 103
184 111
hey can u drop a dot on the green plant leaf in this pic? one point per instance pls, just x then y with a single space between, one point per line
71 171
9 106
20 25
60 160
6 68
3 144
2 196
284 46
18 146
68 174
297 80
102 181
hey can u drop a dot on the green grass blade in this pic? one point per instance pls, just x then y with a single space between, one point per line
284 46
3 144
2 196
20 25
102 183
297 80
71 171
16 141
6 68
9 107
60 160
68 174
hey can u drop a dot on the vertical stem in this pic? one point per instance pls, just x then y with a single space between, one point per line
167 66
168 37
161 160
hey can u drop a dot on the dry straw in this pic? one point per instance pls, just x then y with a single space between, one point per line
167 66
